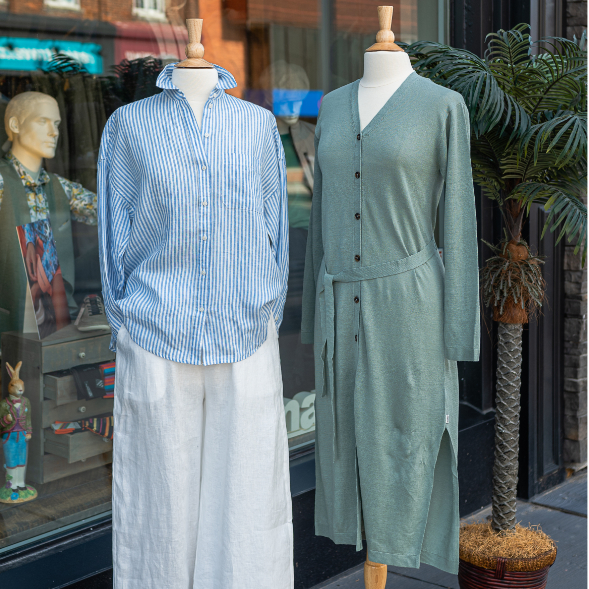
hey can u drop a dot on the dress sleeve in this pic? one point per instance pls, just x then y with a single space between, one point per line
116 195
461 290
314 254
276 213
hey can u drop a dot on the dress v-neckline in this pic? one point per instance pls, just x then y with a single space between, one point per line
386 107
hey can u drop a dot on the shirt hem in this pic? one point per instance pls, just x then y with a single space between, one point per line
166 354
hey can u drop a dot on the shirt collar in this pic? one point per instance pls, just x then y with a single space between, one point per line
226 80
24 175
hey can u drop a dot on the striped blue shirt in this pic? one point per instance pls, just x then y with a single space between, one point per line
193 224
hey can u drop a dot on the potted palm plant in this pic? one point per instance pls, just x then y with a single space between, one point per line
527 104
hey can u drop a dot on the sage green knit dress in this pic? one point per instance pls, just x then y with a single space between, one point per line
389 322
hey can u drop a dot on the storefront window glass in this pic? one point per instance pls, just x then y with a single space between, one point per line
83 61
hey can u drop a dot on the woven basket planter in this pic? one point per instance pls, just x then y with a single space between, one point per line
505 573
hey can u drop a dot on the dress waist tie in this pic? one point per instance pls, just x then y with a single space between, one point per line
357 275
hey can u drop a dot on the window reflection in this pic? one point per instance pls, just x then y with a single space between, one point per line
93 57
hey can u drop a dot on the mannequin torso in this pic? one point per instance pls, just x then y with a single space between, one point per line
384 72
197 85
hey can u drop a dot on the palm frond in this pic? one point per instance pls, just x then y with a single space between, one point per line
526 167
528 111
508 53
565 209
560 80
485 154
472 77
566 133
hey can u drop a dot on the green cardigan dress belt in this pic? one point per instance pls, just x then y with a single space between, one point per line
357 275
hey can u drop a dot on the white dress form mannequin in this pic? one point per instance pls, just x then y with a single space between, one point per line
194 76
197 85
384 72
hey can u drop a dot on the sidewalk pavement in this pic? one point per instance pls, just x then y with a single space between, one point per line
561 513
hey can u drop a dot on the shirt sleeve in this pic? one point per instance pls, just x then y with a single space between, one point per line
116 195
276 213
461 290
82 201
314 254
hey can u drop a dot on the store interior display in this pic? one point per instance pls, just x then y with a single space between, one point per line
102 426
70 472
91 316
15 432
69 464
46 294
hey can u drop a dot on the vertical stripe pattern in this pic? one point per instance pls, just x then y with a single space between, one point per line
193 224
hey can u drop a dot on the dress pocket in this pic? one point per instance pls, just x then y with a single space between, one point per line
242 182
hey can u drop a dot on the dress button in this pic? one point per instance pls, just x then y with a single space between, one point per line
357 174
356 300
203 272
357 258
210 106
357 215
206 135
201 309
358 137
204 167
204 203
204 237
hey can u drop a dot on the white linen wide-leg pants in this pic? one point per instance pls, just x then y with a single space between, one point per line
201 493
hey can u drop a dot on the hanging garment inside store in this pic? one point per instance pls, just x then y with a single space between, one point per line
389 321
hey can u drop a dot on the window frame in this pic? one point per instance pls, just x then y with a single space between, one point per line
152 14
63 4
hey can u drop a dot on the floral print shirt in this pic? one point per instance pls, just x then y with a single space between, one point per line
82 206
82 201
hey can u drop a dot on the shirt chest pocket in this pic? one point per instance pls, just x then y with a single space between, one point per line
241 183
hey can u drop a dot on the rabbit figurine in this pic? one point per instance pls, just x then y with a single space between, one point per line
15 432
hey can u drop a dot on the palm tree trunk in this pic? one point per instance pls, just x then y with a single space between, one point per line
509 365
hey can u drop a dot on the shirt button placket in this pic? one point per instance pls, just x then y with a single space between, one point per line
204 238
